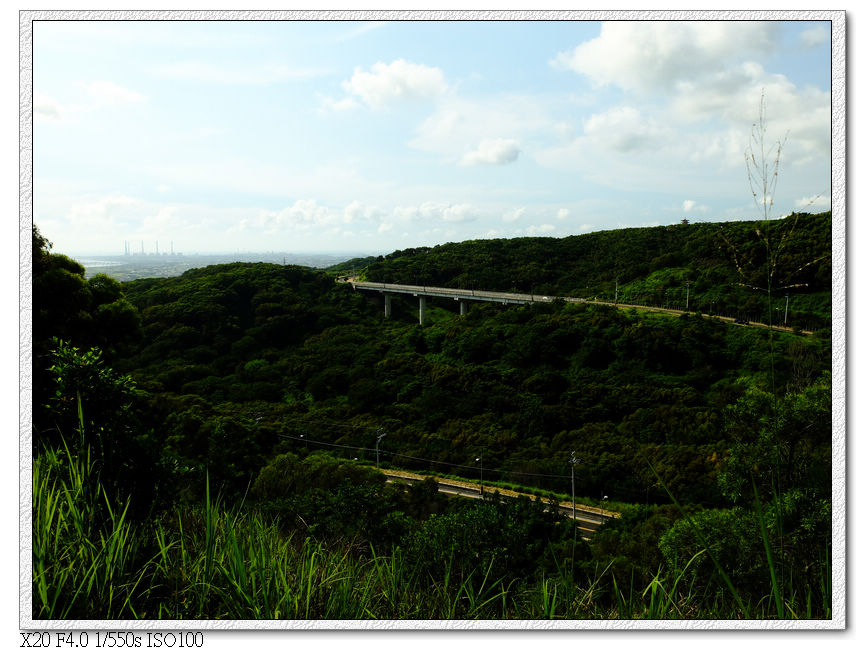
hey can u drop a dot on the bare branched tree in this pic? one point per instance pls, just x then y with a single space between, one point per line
762 170
763 164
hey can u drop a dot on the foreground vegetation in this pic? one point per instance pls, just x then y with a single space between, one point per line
211 561
198 449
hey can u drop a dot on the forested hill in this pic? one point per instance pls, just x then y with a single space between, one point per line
715 267
200 325
228 346
271 385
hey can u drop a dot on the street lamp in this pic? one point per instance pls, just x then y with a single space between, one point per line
480 459
378 440
574 461
604 497
304 441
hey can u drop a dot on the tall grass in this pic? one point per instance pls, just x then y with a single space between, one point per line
215 562
791 599
86 554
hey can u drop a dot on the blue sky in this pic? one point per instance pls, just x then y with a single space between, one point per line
369 137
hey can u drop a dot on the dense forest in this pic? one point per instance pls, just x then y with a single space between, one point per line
221 424
714 268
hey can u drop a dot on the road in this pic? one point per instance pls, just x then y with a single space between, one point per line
588 518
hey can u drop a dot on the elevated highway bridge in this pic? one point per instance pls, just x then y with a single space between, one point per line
460 295
464 296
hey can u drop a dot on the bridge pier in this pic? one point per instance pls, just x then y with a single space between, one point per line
464 307
421 308
387 307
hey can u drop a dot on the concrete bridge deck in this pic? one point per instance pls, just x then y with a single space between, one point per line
464 295
457 294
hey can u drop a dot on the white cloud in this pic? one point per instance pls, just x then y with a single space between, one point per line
616 144
625 129
692 206
47 108
265 73
338 180
327 104
815 36
93 222
361 29
303 214
652 56
706 71
397 81
705 86
816 201
492 152
733 96
458 125
433 211
100 94
513 215
110 94
562 213
459 213
356 211
104 211
541 229
662 147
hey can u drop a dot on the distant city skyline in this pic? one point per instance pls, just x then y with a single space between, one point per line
151 248
374 136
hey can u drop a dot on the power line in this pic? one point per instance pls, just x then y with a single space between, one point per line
392 453
325 444
395 454
620 489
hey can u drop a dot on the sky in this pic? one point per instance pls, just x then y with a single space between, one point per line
367 137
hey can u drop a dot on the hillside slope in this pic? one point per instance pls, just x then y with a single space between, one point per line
716 268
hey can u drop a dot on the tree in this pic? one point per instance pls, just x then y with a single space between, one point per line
779 444
68 307
97 411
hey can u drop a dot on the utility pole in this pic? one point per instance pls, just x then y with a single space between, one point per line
617 291
378 440
687 294
785 310
481 460
574 461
